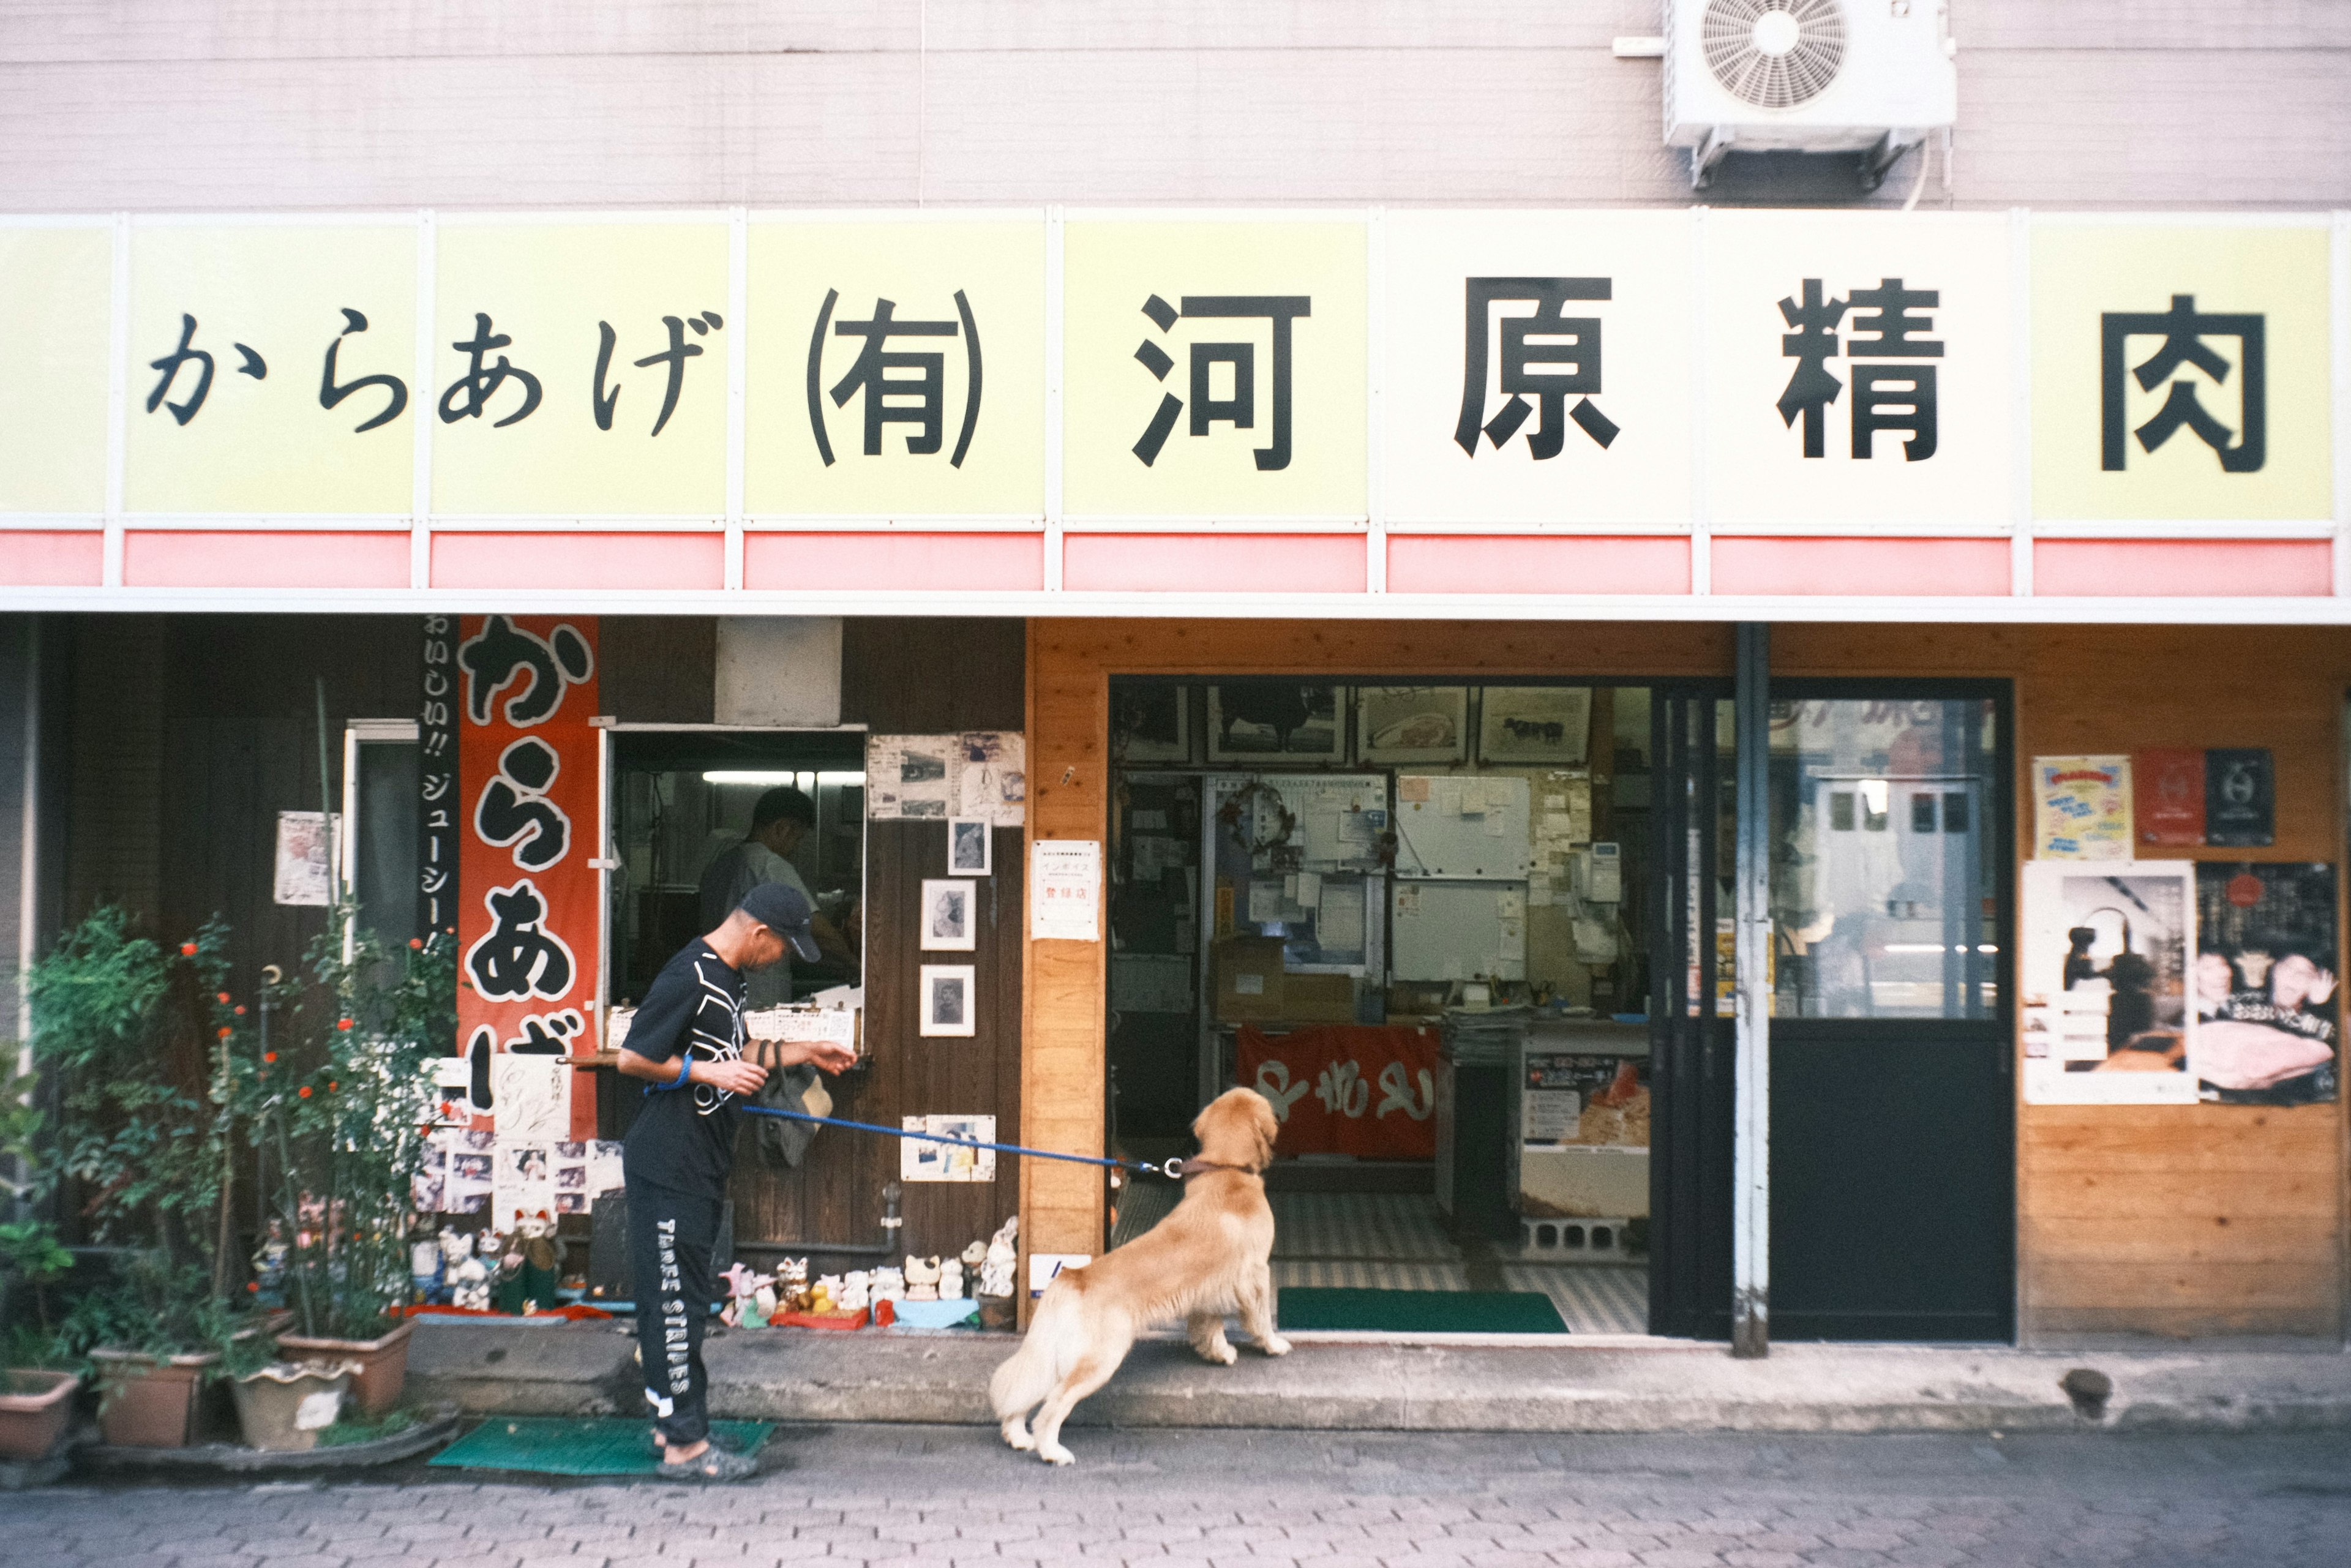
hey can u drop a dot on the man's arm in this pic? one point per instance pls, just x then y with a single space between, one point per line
735 1077
831 942
826 1055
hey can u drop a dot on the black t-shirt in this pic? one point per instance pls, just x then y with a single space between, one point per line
683 1139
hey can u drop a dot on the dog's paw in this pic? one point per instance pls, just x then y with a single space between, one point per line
1017 1438
1056 1455
1274 1344
1220 1353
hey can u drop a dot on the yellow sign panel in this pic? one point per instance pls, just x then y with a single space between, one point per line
580 368
2180 371
1214 369
898 369
54 308
270 369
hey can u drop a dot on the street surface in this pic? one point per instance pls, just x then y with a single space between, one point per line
933 1496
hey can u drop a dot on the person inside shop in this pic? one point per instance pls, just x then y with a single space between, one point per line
687 1045
781 820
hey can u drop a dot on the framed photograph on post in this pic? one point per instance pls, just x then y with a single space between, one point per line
948 997
947 916
1277 721
1152 723
1535 724
1412 724
968 850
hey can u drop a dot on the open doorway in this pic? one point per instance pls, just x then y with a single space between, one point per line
1416 915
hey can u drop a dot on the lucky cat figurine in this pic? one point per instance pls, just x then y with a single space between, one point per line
922 1279
889 1285
951 1280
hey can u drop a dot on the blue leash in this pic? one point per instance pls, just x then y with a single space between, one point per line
1171 1169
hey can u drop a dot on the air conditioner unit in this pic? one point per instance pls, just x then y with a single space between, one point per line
1871 76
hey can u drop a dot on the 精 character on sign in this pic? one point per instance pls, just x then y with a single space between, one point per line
1240 408
902 386
1569 345
1887 324
2184 329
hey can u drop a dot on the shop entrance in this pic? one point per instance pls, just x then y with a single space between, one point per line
1418 918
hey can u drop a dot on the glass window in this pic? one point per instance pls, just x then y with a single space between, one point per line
1884 886
383 853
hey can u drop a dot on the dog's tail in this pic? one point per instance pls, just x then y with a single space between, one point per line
1035 1369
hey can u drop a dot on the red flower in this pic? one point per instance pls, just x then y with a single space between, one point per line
187 949
417 941
225 1032
223 999
343 1024
240 1009
268 1056
332 1086
306 1091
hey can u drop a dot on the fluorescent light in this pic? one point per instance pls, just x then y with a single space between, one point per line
1874 795
851 781
770 777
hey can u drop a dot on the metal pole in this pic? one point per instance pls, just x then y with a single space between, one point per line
1751 1265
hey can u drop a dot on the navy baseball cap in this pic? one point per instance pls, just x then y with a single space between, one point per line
786 911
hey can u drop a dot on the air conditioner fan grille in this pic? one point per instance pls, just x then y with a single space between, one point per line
1774 53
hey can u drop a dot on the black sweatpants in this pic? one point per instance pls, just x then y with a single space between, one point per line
671 1237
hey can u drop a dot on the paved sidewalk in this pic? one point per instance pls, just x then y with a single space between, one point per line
940 1497
1666 1386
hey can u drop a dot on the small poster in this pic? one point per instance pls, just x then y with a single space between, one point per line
2104 979
925 1159
2239 798
531 1096
2082 808
980 773
522 1181
2168 803
583 1171
467 1170
2269 1007
305 843
1065 890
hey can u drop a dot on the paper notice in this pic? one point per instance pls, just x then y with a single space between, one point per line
1065 890
1306 891
1264 901
532 1096
1338 923
1412 790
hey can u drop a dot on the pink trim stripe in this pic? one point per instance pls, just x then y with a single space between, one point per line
1875 567
913 563
38 558
173 557
2200 569
1214 563
1528 563
525 560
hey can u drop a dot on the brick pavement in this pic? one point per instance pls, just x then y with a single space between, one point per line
939 1496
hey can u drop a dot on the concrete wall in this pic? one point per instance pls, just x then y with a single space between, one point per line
174 104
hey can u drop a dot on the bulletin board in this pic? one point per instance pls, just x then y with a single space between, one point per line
1474 827
1459 931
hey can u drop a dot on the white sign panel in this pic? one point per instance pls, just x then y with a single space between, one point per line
1538 367
1859 368
1065 890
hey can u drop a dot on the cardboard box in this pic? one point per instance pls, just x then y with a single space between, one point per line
1249 981
1317 998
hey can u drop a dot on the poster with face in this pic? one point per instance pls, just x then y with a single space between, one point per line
2105 977
2269 1008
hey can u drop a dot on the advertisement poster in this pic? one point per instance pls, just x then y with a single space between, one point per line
525 812
1367 1090
922 1159
981 774
2269 1008
2105 979
2239 798
2168 797
2082 808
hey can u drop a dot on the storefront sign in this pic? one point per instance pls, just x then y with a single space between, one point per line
527 815
1363 1089
912 401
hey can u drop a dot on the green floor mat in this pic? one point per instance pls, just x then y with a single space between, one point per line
567 1445
1418 1311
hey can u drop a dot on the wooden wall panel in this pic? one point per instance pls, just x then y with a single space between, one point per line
2133 1221
658 669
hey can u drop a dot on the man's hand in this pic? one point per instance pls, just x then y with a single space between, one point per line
825 1055
734 1077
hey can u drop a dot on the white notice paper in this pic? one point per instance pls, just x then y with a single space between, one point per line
1339 923
1065 890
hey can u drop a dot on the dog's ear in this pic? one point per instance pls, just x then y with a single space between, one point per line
1266 1125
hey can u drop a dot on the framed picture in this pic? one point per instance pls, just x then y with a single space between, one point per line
968 847
947 916
1277 721
1412 724
1150 723
2108 978
1535 724
948 999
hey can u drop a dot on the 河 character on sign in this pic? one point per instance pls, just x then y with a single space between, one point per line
2184 331
517 958
902 386
675 357
1240 408
501 651
329 394
481 383
1886 324
1568 345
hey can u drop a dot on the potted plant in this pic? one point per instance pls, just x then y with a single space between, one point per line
282 1406
153 1337
36 1391
366 1026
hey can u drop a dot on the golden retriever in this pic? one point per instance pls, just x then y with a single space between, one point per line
1206 1259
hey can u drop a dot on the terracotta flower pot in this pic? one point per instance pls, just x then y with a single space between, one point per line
144 1403
382 1364
284 1407
34 1409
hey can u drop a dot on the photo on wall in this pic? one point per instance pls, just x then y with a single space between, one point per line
1535 724
1412 724
949 925
947 1001
2269 1007
968 847
2105 980
1254 721
1150 723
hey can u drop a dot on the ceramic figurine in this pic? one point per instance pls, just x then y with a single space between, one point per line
425 1269
922 1279
542 1262
856 1292
741 1283
507 1294
761 1309
792 1285
469 1278
889 1285
951 1280
1002 1261
269 1261
973 1256
826 1295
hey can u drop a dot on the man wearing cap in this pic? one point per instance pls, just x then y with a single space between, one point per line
686 1043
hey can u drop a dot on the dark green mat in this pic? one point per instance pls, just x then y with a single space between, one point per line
1418 1311
568 1445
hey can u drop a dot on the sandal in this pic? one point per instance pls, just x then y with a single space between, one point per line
713 1464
